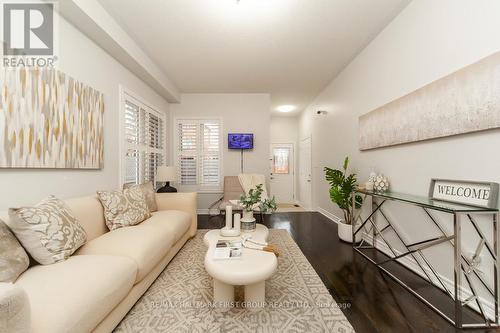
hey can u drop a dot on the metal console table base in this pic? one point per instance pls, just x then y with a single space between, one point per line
461 264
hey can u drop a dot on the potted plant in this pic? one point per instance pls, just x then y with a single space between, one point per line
342 190
251 201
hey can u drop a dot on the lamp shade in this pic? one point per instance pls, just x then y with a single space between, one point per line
166 174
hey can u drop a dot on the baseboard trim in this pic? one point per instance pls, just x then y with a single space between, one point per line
328 215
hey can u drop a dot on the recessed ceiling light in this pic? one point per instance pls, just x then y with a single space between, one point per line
286 108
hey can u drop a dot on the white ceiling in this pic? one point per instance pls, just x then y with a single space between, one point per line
289 48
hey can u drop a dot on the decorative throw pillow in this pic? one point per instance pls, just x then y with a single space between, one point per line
15 311
13 259
124 208
149 192
48 231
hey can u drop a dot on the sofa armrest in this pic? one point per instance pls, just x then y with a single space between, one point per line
15 314
183 201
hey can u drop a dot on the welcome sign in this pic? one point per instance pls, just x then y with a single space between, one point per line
481 194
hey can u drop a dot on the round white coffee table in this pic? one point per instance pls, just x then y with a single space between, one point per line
251 271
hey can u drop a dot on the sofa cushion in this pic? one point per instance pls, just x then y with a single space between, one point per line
76 295
89 212
14 309
13 259
146 243
174 220
149 193
124 208
48 231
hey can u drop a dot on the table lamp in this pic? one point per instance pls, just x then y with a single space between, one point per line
166 174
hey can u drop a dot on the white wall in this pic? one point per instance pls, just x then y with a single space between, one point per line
247 113
286 130
80 58
427 41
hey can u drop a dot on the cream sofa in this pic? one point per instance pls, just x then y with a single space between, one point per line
96 287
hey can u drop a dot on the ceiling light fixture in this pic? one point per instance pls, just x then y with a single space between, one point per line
286 108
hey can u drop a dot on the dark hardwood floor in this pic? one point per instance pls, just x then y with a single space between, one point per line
373 301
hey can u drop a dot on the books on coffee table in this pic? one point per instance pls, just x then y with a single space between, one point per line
227 249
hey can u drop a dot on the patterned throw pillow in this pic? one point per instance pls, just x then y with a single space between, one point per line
149 192
48 231
13 259
124 208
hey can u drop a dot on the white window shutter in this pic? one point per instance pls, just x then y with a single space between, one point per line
145 141
210 161
131 123
198 152
132 162
187 153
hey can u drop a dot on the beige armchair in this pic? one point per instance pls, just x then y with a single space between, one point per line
232 191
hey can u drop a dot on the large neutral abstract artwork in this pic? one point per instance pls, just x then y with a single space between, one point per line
49 120
462 102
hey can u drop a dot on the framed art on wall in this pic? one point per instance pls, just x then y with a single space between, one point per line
463 102
49 120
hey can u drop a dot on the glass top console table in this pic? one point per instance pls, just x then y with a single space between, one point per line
467 306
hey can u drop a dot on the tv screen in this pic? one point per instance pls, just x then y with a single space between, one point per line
240 141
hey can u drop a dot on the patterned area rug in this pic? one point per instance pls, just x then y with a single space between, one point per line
180 299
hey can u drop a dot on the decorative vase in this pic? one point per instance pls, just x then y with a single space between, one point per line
381 184
345 232
372 177
248 222
370 183
369 186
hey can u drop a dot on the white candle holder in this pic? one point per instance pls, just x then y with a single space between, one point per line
228 230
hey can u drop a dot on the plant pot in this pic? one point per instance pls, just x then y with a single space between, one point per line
345 232
248 222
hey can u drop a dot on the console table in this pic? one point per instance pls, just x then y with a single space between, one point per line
465 268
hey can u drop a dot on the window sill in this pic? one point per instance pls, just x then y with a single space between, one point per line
210 191
200 190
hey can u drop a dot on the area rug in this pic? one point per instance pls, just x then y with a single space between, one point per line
180 300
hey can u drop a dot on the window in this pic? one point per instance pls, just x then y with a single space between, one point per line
145 141
199 153
281 158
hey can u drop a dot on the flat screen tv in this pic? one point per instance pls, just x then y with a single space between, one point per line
240 141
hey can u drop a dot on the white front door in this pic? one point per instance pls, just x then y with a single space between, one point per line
305 177
282 172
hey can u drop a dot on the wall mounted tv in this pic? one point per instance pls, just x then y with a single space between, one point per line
240 141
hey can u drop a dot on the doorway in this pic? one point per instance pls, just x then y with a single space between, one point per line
282 172
305 176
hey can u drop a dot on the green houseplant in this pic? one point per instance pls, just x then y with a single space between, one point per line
251 201
342 191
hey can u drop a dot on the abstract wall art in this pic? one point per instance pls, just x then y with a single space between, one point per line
465 101
49 120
